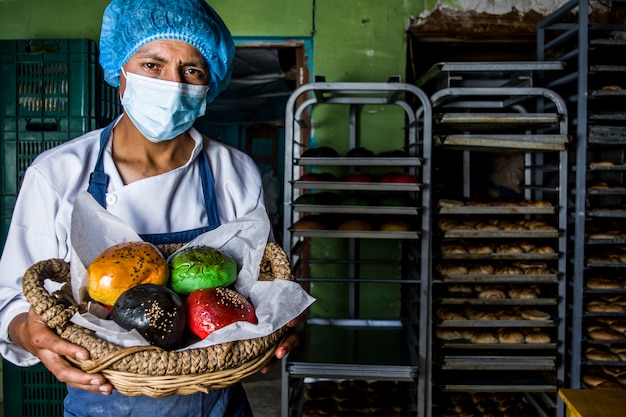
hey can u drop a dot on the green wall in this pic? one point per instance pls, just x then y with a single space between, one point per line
356 40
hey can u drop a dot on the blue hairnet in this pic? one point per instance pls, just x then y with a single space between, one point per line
127 25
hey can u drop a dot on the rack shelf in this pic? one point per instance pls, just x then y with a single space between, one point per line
355 344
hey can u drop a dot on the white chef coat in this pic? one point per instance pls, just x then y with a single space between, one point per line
173 201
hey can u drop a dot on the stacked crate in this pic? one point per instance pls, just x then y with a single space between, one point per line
51 91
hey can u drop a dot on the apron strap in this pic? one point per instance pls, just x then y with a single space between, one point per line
98 179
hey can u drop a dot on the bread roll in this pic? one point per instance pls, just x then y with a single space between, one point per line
480 249
310 223
527 246
448 334
474 314
542 249
447 224
596 354
508 315
594 379
614 371
508 270
452 269
537 270
492 292
505 248
603 307
453 249
354 224
124 266
605 334
532 314
603 283
394 226
618 326
447 314
536 336
486 226
481 336
506 335
460 289
523 292
609 385
482 269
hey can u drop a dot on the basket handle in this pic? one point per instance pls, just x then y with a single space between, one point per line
55 311
275 264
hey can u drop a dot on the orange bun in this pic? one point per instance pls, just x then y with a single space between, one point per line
124 266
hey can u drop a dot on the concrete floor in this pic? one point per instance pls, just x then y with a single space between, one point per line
264 393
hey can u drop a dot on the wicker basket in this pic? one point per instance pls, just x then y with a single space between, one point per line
149 370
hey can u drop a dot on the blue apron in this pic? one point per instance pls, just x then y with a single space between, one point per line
226 402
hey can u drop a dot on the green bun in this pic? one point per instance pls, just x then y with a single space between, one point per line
201 267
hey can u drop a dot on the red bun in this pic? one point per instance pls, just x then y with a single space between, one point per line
210 309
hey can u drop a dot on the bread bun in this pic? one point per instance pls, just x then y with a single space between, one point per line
310 223
506 335
394 226
532 314
448 334
492 292
596 354
354 224
450 269
453 249
123 266
605 334
481 336
536 336
198 267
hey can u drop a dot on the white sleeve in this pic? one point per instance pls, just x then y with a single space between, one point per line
32 237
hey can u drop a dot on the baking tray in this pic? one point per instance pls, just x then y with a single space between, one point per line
355 234
500 381
607 212
498 301
500 363
357 186
604 342
531 142
606 191
496 323
613 241
496 210
607 93
348 161
606 264
496 346
472 233
350 209
616 167
502 256
506 278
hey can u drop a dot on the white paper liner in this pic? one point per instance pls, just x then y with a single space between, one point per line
276 302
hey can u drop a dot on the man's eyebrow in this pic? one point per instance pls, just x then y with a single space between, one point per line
194 63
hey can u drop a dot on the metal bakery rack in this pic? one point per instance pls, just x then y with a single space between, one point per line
348 340
498 294
583 34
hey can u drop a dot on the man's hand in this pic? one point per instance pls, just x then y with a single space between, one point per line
290 341
31 333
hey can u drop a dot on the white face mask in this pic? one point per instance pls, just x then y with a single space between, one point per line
161 109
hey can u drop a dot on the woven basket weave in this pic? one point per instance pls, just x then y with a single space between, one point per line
149 370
